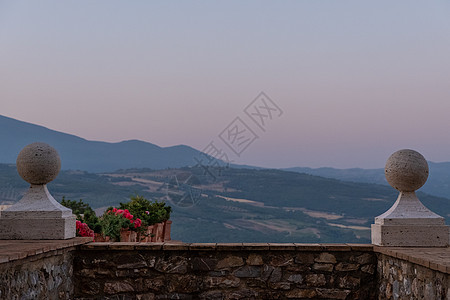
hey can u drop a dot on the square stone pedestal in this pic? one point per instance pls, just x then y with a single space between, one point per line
33 228
410 235
37 216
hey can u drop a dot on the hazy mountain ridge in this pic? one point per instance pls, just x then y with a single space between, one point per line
93 156
438 183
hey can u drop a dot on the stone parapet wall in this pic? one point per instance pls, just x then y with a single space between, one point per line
79 269
224 271
37 269
413 273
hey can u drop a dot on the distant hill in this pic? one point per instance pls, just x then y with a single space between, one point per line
438 183
80 154
242 205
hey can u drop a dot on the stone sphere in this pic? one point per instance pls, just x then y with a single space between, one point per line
38 163
406 170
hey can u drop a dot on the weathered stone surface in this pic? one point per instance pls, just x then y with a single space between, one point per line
256 282
242 294
368 269
131 261
225 274
282 260
266 272
298 268
254 260
302 293
222 282
38 163
155 284
304 258
203 264
280 285
118 287
316 280
174 264
276 275
230 262
248 271
363 259
218 273
44 277
323 267
147 296
184 284
345 267
349 282
217 295
325 257
153 274
296 278
333 293
399 279
90 287
406 170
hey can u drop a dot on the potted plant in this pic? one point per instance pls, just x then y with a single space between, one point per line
154 216
120 224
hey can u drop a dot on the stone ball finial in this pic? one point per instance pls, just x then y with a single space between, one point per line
406 170
38 163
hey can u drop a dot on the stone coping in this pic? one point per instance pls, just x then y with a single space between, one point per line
437 259
11 250
170 246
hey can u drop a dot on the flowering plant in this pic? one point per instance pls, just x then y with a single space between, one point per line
149 212
114 220
83 229
135 223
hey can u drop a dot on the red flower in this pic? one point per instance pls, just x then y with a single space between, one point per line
83 229
137 223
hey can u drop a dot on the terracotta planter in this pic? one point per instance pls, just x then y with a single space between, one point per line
133 236
159 232
154 232
166 234
149 233
125 235
99 238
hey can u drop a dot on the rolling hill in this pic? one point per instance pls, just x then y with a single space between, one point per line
92 156
241 205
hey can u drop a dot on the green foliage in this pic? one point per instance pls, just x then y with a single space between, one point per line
112 224
149 212
84 213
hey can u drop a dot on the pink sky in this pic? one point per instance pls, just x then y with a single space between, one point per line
356 81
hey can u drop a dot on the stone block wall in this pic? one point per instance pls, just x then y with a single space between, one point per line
37 269
78 269
412 278
224 271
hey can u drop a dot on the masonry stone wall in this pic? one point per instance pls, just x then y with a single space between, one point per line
78 269
402 279
210 271
43 276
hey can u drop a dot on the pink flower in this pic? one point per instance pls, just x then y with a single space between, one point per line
147 212
84 230
137 223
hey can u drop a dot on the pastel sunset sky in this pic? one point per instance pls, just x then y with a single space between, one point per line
355 80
